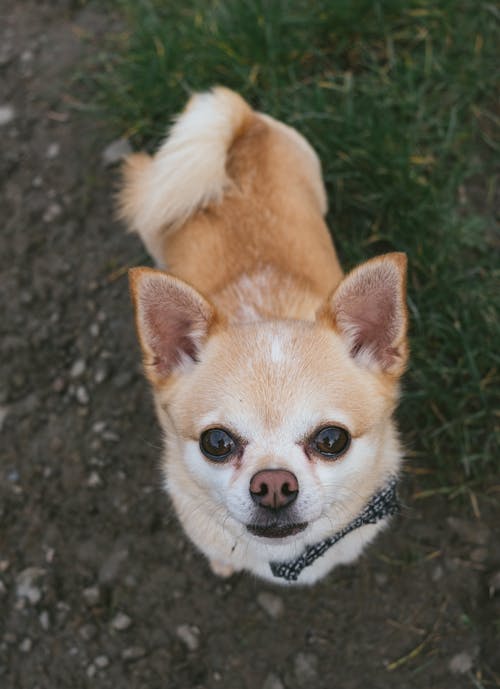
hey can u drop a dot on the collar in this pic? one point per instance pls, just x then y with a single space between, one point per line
383 504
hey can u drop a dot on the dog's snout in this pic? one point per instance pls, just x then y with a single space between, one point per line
274 488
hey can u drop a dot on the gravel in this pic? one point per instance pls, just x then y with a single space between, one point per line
116 151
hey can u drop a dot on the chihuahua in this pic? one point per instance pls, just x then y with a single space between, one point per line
275 377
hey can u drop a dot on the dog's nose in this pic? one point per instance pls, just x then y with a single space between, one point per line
274 488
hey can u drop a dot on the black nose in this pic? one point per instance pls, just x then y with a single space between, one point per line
274 488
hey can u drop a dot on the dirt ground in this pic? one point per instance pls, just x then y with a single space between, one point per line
98 586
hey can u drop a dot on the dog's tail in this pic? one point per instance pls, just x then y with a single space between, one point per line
189 171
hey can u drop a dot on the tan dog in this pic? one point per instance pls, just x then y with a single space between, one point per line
275 378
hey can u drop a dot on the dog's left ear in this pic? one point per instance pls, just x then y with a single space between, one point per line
368 310
172 319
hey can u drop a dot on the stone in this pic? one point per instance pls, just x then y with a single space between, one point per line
494 584
129 655
91 595
112 566
271 604
189 635
53 211
53 150
58 384
25 584
94 480
101 661
479 555
273 682
82 396
469 531
87 631
26 645
44 620
78 368
461 663
7 114
116 151
437 573
3 415
306 669
121 622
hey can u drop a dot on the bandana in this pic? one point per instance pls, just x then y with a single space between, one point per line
382 504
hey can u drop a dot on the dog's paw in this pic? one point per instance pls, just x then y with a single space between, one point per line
221 568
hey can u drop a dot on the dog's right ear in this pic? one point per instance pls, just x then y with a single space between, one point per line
172 321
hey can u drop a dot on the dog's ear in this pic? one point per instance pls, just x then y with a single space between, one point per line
368 310
172 321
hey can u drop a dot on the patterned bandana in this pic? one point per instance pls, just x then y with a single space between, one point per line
382 504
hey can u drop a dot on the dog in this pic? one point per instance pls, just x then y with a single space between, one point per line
275 377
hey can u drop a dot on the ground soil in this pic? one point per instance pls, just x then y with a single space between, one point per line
98 585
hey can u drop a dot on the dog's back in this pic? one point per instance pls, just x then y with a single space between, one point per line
238 190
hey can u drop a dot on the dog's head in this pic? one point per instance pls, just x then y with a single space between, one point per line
276 428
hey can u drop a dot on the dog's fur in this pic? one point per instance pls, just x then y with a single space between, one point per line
255 329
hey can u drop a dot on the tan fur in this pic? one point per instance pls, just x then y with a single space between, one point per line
285 346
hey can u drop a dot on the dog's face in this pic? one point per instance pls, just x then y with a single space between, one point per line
280 428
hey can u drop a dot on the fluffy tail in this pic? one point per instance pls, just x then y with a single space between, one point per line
188 172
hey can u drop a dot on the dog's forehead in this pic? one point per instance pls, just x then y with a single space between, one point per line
276 379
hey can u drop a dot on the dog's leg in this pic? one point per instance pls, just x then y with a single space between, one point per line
221 568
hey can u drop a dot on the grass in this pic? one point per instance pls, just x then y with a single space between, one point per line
397 97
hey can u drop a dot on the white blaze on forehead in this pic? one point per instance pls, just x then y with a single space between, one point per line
277 354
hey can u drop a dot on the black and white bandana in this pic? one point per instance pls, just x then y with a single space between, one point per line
382 504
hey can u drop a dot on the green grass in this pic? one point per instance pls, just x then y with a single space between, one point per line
397 97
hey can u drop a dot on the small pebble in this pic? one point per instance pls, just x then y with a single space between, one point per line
44 620
53 150
82 396
479 555
91 670
271 603
469 531
26 645
25 584
91 595
121 622
3 415
94 480
273 682
112 566
52 212
494 584
461 663
116 151
101 661
87 631
133 653
437 573
7 114
381 578
78 368
189 635
306 669
58 384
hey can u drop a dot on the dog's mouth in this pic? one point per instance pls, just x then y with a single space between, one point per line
275 530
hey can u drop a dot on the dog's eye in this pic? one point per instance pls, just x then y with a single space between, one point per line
216 444
331 441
